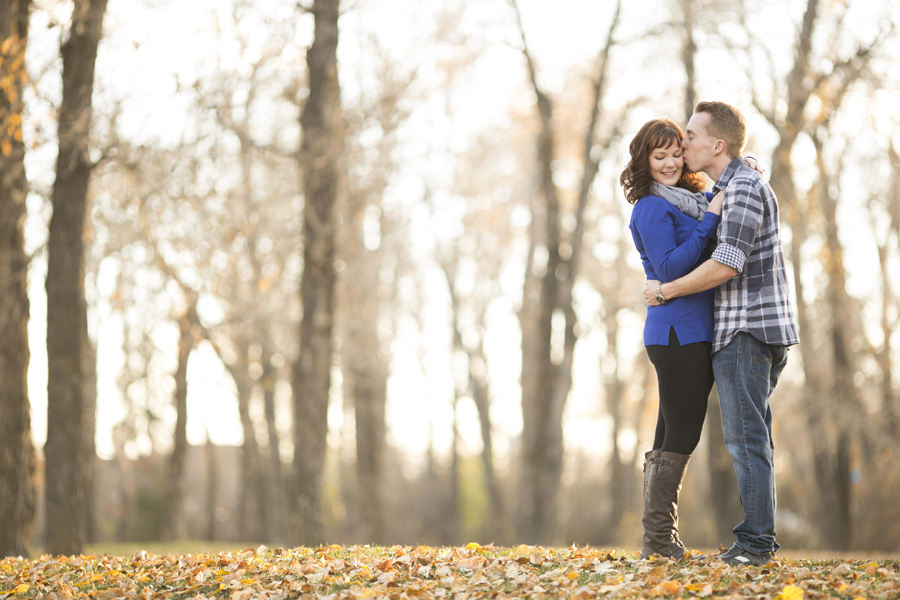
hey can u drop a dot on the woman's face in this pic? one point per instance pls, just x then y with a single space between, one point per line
666 164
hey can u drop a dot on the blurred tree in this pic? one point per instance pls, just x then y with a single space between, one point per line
324 185
884 207
260 244
67 418
178 230
818 78
17 494
173 526
550 272
365 287
474 254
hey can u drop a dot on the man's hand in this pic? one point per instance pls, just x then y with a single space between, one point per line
650 292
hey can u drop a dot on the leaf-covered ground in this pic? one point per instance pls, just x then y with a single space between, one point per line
465 573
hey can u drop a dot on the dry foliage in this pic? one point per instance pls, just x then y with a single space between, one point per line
464 573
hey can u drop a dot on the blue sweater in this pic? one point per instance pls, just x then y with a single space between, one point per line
671 245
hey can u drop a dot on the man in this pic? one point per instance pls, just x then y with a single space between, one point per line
754 321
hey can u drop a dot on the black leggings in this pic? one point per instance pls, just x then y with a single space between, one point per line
685 379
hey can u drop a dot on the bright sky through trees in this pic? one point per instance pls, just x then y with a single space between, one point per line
152 47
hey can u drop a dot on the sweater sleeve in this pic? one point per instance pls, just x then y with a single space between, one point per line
656 226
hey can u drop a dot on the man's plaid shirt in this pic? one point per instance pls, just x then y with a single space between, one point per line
756 300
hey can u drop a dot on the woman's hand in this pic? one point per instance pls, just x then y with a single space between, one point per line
753 164
649 292
715 205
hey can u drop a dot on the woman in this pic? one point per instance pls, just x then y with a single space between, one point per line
672 223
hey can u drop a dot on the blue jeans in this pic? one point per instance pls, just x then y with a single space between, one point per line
746 372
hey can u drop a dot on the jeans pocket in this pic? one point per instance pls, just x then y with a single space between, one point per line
760 358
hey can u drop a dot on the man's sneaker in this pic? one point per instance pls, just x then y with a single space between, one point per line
738 557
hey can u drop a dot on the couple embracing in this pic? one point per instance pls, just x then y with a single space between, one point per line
718 310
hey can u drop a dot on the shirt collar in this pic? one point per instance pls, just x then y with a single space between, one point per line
727 174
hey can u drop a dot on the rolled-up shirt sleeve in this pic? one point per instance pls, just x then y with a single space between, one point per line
729 256
742 215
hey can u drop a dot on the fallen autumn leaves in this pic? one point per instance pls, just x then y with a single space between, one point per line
464 573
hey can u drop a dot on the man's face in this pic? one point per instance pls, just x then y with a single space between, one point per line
698 145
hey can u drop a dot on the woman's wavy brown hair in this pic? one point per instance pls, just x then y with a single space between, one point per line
636 178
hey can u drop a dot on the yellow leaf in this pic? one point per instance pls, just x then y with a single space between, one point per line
23 588
791 592
5 147
473 546
572 575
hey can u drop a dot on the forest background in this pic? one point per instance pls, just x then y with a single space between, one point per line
260 286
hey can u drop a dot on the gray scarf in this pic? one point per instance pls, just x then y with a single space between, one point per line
693 204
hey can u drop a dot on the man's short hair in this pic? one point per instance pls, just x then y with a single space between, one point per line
726 123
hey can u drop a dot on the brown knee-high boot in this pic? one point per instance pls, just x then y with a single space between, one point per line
663 474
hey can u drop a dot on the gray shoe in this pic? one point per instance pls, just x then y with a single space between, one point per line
738 557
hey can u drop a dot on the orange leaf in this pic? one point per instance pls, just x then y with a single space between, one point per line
670 588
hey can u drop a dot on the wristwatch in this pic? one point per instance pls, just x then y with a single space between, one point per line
659 297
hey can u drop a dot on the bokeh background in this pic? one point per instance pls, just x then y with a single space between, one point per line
360 272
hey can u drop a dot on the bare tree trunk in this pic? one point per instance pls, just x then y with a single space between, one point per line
620 480
844 393
432 516
365 368
212 487
889 398
324 185
65 528
478 388
17 494
275 495
173 525
688 56
252 511
128 515
369 395
451 523
88 443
